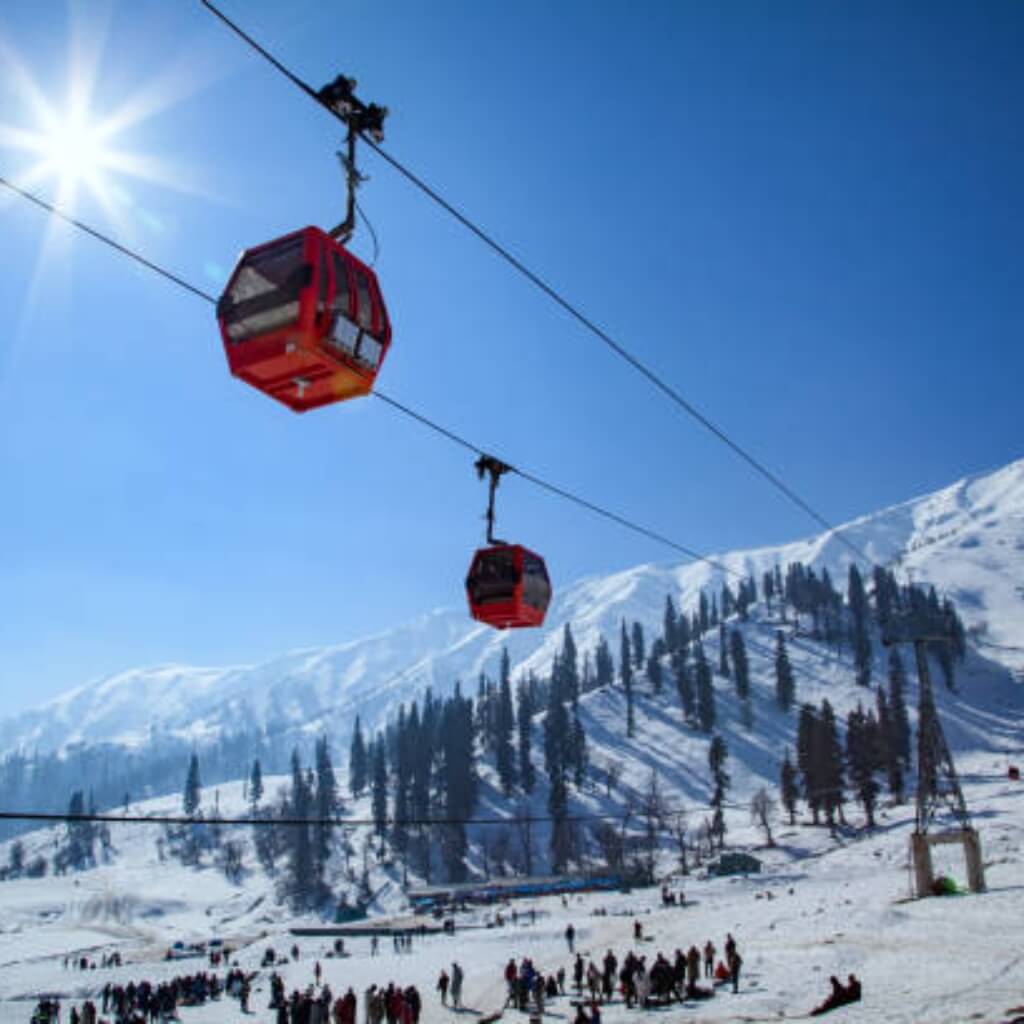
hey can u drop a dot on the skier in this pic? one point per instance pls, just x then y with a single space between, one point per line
570 935
442 986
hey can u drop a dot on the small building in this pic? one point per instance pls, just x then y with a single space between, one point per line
438 898
735 863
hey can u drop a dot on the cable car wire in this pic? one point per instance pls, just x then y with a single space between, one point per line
107 240
574 311
373 235
394 403
424 420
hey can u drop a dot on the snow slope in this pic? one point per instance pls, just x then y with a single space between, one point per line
835 907
838 904
968 539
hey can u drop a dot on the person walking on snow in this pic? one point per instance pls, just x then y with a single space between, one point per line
709 959
442 986
456 984
735 963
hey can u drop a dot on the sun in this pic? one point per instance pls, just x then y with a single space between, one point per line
73 146
73 141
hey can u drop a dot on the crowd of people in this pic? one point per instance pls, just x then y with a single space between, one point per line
145 1002
640 984
591 982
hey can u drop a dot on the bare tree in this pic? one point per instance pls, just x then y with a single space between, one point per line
609 842
763 811
679 830
612 773
500 851
653 812
704 841
524 830
230 859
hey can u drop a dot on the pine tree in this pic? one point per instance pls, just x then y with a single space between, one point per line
741 674
561 834
829 752
256 783
705 692
626 674
862 653
768 586
684 684
898 706
193 788
789 789
326 807
604 665
728 601
861 756
524 722
578 749
637 646
806 758
379 785
888 756
885 593
740 664
505 755
570 670
301 880
683 633
718 753
723 652
79 845
670 623
358 763
556 737
459 781
654 673
703 613
785 687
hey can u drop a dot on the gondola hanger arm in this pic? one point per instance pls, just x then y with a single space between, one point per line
494 469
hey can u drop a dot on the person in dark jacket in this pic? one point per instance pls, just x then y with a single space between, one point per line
837 997
735 963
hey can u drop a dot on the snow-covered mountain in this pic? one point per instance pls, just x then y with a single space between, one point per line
967 539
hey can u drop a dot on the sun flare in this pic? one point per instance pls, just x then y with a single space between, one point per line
73 147
75 142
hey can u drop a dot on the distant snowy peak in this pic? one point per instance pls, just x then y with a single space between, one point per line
967 539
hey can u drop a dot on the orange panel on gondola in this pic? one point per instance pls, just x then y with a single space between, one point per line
303 320
508 587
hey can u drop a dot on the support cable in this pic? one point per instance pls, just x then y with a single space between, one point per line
535 279
406 410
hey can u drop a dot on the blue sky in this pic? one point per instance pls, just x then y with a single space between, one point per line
806 217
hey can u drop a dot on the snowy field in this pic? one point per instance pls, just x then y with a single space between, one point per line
837 906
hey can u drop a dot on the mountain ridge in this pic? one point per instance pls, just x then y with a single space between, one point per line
967 539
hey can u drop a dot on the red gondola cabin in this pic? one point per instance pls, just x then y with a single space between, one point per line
303 320
508 587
